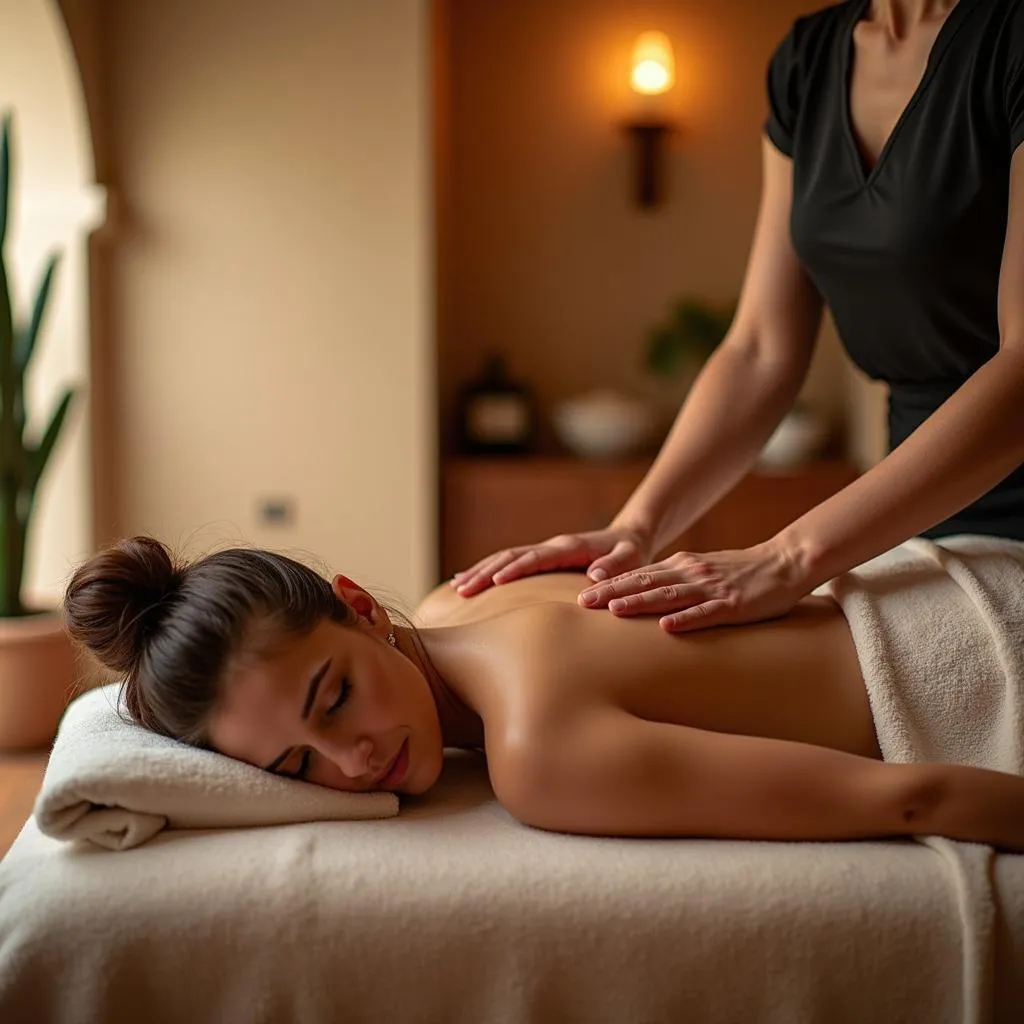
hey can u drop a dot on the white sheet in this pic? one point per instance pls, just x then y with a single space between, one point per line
453 912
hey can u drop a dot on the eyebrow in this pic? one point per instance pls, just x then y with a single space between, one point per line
314 683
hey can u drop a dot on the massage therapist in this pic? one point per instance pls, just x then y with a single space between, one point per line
893 191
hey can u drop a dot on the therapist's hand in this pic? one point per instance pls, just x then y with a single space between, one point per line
603 553
691 591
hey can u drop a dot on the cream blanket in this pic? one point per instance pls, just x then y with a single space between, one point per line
115 784
939 631
454 912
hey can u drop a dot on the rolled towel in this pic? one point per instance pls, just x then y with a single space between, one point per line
939 632
115 784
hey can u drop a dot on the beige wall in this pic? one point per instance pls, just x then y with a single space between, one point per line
271 277
54 206
550 261
86 21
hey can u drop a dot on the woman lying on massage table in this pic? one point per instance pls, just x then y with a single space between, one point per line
591 724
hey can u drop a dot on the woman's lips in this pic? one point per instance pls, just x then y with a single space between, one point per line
396 772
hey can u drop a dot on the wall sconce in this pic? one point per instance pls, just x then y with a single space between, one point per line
653 73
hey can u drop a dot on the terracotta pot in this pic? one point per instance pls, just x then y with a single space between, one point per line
37 677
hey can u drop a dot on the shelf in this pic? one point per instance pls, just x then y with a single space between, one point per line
496 502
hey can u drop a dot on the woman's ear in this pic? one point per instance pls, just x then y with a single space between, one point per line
353 595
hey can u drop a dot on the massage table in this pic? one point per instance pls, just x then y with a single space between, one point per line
318 906
454 913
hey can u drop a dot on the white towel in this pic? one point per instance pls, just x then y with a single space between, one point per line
939 632
116 784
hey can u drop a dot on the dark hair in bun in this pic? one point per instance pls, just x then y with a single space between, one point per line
116 600
173 629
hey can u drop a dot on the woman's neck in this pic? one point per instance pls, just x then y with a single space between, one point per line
445 657
900 17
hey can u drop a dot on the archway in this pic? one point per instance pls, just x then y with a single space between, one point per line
56 204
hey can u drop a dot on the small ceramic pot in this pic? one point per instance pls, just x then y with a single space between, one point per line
796 439
37 679
603 425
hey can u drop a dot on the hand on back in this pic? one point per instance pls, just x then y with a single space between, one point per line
691 590
603 553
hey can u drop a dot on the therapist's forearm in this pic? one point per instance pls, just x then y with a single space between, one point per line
969 444
734 405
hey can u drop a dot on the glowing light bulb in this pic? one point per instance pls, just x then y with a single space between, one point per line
653 64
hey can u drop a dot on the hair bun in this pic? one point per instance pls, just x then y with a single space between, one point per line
115 601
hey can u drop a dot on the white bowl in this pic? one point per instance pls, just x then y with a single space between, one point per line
797 438
603 425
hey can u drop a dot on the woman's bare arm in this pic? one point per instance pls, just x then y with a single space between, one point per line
962 450
746 386
611 773
737 400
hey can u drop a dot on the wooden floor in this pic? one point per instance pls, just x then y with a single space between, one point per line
20 778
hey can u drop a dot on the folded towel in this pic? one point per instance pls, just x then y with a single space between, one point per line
939 632
116 784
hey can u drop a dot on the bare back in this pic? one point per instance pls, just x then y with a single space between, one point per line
793 678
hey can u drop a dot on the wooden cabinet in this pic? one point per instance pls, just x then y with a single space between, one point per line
488 504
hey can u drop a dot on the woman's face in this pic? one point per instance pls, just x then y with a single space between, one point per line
339 707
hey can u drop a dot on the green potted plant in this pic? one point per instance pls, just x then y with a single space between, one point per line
685 340
681 344
37 662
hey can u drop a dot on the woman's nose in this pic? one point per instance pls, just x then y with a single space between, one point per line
352 757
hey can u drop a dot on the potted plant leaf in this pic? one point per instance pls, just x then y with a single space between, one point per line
685 340
680 346
37 661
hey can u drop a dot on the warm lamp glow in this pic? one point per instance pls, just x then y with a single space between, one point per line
653 73
653 65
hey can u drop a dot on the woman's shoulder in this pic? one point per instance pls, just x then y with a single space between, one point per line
536 695
808 30
444 607
532 678
802 64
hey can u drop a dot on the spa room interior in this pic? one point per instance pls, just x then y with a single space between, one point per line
387 286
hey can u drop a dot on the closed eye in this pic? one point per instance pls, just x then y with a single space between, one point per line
343 692
307 756
303 767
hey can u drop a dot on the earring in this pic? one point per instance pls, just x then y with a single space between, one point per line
391 639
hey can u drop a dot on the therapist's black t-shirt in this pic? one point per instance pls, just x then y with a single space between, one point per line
907 254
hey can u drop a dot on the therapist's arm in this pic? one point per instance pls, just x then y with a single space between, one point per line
970 443
741 394
747 385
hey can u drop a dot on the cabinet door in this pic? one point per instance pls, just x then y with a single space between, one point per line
763 503
614 484
489 505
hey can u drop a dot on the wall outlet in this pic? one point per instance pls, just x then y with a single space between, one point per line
277 511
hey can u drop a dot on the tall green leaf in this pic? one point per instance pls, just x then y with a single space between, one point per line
27 340
5 165
42 454
6 324
10 545
8 442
